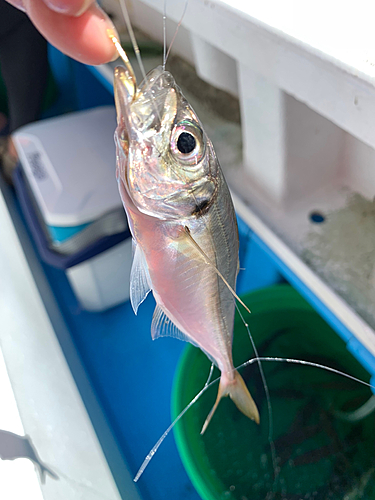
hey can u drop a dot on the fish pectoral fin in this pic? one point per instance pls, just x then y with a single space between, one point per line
239 394
140 282
210 263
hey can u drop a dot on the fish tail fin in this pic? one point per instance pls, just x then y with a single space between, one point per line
239 394
241 397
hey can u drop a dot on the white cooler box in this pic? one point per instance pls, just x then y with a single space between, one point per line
68 192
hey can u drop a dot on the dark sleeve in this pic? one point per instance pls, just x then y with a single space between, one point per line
23 65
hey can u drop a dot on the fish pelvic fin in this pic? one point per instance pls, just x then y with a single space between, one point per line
238 392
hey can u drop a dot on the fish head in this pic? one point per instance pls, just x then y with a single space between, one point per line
165 160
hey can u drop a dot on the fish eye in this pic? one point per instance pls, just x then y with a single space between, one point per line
187 142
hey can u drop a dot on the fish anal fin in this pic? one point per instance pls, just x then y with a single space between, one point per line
140 283
162 326
236 389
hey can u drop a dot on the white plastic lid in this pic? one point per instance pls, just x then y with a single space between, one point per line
69 162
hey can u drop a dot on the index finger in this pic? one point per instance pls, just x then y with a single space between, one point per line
84 37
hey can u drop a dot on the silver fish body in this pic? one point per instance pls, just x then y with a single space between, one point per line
182 221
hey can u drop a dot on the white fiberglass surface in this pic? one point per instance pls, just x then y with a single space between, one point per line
18 478
341 29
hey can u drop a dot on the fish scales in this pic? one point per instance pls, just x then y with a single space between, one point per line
182 220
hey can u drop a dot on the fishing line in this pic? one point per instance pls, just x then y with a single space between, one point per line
158 443
210 374
164 34
175 33
307 363
267 392
132 37
243 365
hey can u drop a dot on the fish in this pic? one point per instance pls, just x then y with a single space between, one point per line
182 220
14 446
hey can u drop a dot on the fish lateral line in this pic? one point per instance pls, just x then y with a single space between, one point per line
209 262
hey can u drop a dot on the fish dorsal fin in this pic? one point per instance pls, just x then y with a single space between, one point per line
210 263
162 326
140 283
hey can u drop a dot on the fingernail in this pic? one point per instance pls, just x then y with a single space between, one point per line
68 8
58 6
115 57
110 29
86 4
99 13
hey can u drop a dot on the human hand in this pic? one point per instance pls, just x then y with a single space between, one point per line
76 27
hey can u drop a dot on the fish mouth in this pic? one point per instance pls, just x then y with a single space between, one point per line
125 88
142 108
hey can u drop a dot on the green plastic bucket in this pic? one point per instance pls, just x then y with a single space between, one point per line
318 452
